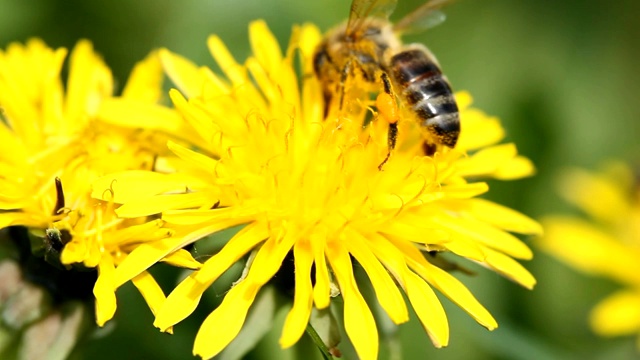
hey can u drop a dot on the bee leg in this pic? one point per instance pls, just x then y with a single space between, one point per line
327 103
391 142
343 80
429 148
388 109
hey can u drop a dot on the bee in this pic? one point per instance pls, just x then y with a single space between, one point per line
370 44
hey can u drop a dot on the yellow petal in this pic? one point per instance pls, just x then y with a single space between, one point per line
502 217
312 108
185 297
138 184
486 161
143 257
410 227
202 161
182 258
465 247
618 314
386 290
234 71
193 217
150 291
75 251
183 73
516 168
27 70
19 218
270 257
94 255
147 254
585 247
133 234
358 320
11 147
595 194
161 203
310 37
509 268
481 232
463 99
422 298
196 118
428 308
271 90
145 81
225 322
465 191
456 292
298 317
182 301
390 245
135 114
478 134
265 46
104 291
322 288
89 82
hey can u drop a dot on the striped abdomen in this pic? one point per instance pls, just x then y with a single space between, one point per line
428 93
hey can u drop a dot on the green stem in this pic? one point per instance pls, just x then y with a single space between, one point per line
324 350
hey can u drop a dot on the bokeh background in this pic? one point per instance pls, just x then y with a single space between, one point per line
562 75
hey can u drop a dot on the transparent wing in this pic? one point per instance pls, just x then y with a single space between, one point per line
425 17
434 19
363 9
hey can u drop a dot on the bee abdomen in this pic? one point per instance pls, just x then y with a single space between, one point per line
411 65
428 92
428 88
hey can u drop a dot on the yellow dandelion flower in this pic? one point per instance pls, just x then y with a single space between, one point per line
310 186
607 244
55 140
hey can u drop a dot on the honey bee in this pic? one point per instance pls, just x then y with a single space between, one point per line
370 44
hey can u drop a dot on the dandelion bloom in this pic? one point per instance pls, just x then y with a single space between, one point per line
310 186
56 139
606 244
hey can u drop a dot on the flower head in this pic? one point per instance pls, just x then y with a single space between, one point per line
311 186
606 244
54 141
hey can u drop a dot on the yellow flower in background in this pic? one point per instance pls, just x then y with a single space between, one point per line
303 184
606 244
56 139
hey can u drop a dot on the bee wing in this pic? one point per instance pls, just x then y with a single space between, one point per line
425 17
363 9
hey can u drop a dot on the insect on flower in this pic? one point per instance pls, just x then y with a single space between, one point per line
271 170
369 45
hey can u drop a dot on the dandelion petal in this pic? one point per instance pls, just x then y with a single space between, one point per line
298 317
225 322
358 320
386 290
429 309
150 291
458 293
618 314
104 291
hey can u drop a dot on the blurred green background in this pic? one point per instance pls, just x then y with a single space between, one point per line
562 75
